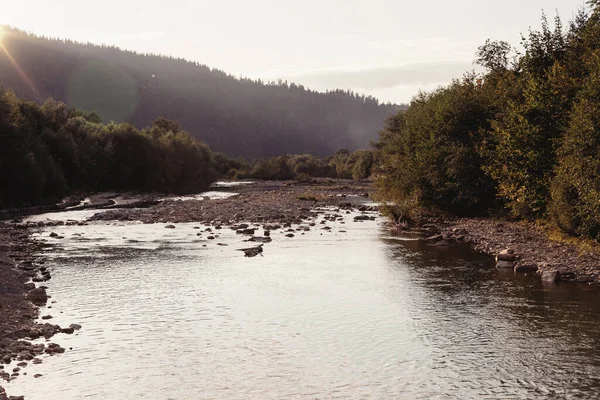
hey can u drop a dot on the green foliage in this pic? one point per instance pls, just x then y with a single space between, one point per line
301 167
431 154
575 205
523 136
50 150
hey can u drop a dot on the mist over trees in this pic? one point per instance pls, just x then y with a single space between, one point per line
523 137
240 117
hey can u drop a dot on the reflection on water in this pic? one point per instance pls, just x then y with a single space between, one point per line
356 314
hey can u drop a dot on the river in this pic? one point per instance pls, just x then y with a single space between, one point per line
354 313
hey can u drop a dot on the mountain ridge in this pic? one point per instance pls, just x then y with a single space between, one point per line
237 116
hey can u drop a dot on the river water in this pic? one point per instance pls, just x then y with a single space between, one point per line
355 313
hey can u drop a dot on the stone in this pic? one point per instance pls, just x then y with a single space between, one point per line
29 286
505 264
290 235
550 276
442 243
75 326
170 227
525 268
37 295
507 251
506 257
53 234
435 238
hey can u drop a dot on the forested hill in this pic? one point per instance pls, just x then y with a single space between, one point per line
240 117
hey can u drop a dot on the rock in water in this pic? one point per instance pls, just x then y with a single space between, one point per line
505 264
524 268
550 276
38 295
252 251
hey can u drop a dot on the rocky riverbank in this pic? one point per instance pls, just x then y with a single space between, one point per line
521 246
21 294
261 202
291 206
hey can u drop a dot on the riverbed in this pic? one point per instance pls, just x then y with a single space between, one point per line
353 311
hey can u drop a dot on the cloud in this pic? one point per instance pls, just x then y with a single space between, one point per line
386 76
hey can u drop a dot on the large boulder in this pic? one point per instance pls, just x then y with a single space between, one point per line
38 296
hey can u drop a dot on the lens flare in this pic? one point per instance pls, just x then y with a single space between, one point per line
5 53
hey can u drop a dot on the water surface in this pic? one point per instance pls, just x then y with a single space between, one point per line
356 313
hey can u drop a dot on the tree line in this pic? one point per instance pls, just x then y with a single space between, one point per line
49 151
237 116
524 136
343 164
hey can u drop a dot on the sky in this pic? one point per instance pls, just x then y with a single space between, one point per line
390 49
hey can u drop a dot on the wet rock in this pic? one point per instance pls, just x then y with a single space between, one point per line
259 239
54 348
506 255
565 274
170 226
360 218
551 276
211 238
435 238
47 317
37 295
252 251
75 326
68 330
53 234
442 243
29 286
526 267
38 376
584 279
505 264
290 235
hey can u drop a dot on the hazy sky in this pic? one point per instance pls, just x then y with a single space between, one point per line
387 48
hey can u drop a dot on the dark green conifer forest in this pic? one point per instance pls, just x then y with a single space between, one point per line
237 116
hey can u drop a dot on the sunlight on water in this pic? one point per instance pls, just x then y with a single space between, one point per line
352 313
